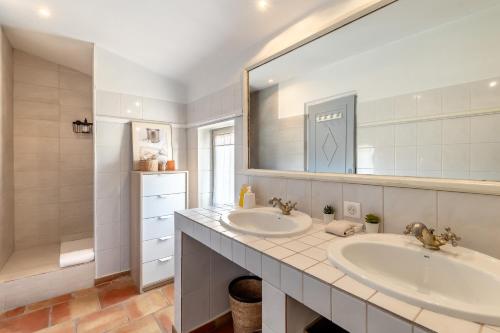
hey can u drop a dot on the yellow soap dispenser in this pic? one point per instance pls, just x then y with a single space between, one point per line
243 190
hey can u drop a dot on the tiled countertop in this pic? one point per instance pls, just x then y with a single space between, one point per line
306 254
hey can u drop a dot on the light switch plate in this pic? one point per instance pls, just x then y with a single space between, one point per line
352 209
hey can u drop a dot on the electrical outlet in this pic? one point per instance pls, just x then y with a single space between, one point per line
352 209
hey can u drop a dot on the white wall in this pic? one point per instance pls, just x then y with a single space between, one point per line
126 92
115 73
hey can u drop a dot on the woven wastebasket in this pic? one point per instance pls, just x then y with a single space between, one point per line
245 299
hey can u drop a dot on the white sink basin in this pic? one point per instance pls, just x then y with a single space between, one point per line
267 222
455 281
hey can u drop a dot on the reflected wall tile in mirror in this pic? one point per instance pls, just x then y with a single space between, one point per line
384 109
365 158
456 98
365 112
456 130
366 137
485 129
485 157
384 136
456 160
429 159
485 94
384 160
326 193
405 134
400 208
406 160
429 103
429 132
405 106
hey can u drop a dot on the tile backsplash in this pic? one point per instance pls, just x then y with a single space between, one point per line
474 217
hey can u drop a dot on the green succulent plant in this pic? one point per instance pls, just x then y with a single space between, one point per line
371 218
328 209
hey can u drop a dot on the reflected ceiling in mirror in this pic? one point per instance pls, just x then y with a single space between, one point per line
412 89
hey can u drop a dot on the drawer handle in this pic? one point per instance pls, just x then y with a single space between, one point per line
165 259
164 217
162 196
165 238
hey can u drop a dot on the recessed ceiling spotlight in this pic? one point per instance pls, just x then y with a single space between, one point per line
44 12
493 84
270 81
263 5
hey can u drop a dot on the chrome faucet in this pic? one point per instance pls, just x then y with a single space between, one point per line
428 239
286 207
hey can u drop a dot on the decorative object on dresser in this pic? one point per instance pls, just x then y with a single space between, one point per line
154 198
151 141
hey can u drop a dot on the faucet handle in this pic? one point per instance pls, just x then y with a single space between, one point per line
451 236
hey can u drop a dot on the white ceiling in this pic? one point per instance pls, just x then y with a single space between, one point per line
171 37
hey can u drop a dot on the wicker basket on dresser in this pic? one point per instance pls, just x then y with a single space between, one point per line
154 197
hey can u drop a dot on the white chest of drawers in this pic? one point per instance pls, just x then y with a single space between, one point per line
153 199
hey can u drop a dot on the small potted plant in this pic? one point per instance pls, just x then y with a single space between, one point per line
371 223
328 214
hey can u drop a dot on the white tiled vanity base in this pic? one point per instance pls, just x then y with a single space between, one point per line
298 267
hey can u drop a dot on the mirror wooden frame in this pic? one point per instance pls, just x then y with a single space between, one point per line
439 184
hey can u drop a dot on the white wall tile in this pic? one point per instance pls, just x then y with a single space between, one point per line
429 158
291 282
108 262
405 134
485 128
326 193
108 159
456 157
456 130
107 236
317 296
370 198
253 261
406 158
107 103
299 191
239 253
483 96
348 312
429 132
131 106
271 271
485 157
429 103
456 98
273 308
379 321
405 106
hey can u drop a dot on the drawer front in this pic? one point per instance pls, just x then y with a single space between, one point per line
158 270
163 184
160 205
157 227
157 248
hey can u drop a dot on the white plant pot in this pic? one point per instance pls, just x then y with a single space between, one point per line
371 228
327 218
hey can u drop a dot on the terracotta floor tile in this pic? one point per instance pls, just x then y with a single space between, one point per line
116 292
12 313
67 327
164 319
226 328
169 291
48 303
85 292
26 323
144 325
102 321
75 308
145 304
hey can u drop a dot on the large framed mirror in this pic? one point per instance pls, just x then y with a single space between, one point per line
410 89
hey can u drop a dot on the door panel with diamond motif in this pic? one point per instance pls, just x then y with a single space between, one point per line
331 136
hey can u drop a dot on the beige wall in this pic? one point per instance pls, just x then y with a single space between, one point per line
53 166
6 152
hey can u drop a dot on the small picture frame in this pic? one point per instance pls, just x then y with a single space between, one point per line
151 141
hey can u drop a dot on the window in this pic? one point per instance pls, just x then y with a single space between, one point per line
223 165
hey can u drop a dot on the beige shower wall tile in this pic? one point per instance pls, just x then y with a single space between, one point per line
71 113
36 110
26 145
474 217
35 75
36 128
36 225
76 81
74 98
74 209
35 161
34 93
77 146
35 179
76 193
23 58
37 196
76 177
76 161
403 206
80 223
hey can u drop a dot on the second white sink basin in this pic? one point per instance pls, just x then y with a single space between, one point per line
268 222
455 281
